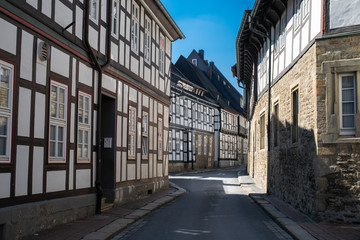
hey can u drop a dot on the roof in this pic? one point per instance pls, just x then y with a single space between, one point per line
164 17
201 78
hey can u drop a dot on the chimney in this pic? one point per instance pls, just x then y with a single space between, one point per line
201 54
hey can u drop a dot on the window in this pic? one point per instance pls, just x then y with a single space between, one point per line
306 8
210 146
347 104
6 98
147 39
262 131
84 128
283 30
177 142
297 14
135 27
205 145
276 125
162 55
145 135
199 144
132 133
160 138
94 10
194 61
58 116
115 18
295 116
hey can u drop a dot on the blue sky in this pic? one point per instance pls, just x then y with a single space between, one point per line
210 25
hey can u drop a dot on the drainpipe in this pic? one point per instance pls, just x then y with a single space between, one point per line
100 69
267 36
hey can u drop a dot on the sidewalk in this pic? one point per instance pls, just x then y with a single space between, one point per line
294 222
110 222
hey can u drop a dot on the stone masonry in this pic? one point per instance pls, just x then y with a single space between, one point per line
319 173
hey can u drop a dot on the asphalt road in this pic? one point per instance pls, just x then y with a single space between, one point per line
214 207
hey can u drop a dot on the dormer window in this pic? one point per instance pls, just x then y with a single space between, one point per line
194 61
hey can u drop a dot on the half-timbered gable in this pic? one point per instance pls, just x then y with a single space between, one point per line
192 124
82 95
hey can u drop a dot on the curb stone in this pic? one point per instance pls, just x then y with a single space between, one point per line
109 231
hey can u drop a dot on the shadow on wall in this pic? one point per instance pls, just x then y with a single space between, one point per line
323 181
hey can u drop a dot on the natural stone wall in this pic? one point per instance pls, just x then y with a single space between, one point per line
291 166
338 165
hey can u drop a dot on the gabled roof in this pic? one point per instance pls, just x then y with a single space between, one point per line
200 77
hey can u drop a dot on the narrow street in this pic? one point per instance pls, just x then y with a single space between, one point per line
214 207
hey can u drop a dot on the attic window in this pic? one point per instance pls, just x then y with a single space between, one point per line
224 83
218 77
194 61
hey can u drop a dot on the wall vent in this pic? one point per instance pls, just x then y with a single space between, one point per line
44 51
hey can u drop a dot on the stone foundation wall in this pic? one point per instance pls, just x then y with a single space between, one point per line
25 219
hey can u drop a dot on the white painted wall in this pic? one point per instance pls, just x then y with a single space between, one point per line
24 111
60 62
39 122
8 40
85 74
22 170
38 169
344 13
63 15
83 178
5 179
55 180
26 62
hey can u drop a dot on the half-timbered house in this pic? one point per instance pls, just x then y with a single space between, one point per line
299 63
230 138
193 125
85 85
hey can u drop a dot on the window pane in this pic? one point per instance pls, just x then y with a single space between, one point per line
348 108
348 95
3 126
4 97
86 150
60 149
52 133
61 133
86 137
348 121
53 109
86 118
4 77
62 96
53 98
79 152
52 149
348 82
61 111
80 137
3 146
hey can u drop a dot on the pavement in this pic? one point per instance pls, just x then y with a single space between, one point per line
297 224
113 221
110 222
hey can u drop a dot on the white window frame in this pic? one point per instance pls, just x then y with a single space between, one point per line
282 30
194 61
115 18
92 11
132 133
145 135
147 40
7 113
134 28
343 130
306 8
210 146
162 55
160 139
83 128
297 14
58 122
